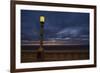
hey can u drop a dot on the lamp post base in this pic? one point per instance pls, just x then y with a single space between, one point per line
40 54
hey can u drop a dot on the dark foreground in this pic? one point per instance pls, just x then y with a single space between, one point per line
55 53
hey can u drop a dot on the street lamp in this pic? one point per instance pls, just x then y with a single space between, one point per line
40 54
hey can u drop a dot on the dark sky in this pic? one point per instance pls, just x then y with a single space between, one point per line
58 25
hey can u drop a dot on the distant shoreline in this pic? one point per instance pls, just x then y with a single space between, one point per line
56 47
54 43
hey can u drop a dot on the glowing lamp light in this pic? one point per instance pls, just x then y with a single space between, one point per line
42 19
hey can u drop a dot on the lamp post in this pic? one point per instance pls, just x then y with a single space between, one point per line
40 54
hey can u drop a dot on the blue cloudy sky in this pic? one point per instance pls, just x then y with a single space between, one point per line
58 25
